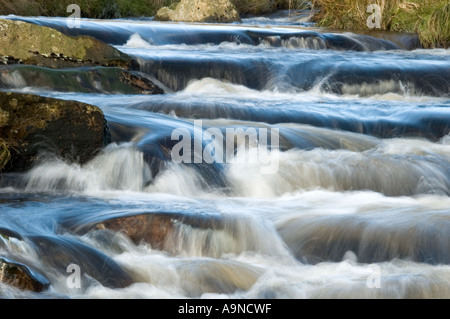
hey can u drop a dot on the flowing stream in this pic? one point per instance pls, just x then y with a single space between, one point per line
356 204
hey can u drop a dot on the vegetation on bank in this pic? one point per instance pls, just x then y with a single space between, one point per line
293 4
5 155
430 19
102 9
106 9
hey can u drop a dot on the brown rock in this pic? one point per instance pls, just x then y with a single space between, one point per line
155 228
21 276
31 125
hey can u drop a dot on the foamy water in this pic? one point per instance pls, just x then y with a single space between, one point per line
356 206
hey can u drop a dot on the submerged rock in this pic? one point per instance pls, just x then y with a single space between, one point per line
314 240
200 11
21 276
60 252
32 125
33 44
156 228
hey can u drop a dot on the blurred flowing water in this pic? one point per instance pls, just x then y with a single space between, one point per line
358 207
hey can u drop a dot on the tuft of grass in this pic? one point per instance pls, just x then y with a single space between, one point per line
430 19
254 7
293 4
5 154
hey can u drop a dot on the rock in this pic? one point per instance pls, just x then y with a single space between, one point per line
139 83
163 14
31 124
21 276
328 239
255 7
156 228
33 44
200 11
8 233
60 252
219 276
86 79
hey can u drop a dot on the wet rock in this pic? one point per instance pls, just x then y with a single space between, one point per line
200 11
59 253
33 125
314 240
5 60
216 276
85 79
156 228
21 276
140 83
8 233
38 45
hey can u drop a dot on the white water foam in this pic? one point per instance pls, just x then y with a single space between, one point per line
136 41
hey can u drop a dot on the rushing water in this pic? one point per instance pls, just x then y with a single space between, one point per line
358 206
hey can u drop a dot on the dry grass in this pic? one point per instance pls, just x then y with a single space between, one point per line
20 7
428 18
254 7
5 155
293 4
351 14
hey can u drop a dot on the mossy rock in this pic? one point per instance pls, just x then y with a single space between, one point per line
33 125
33 44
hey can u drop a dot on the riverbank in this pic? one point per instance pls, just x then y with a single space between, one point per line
430 19
102 9
107 9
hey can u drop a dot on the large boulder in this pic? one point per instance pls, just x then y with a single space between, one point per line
22 42
200 11
31 125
